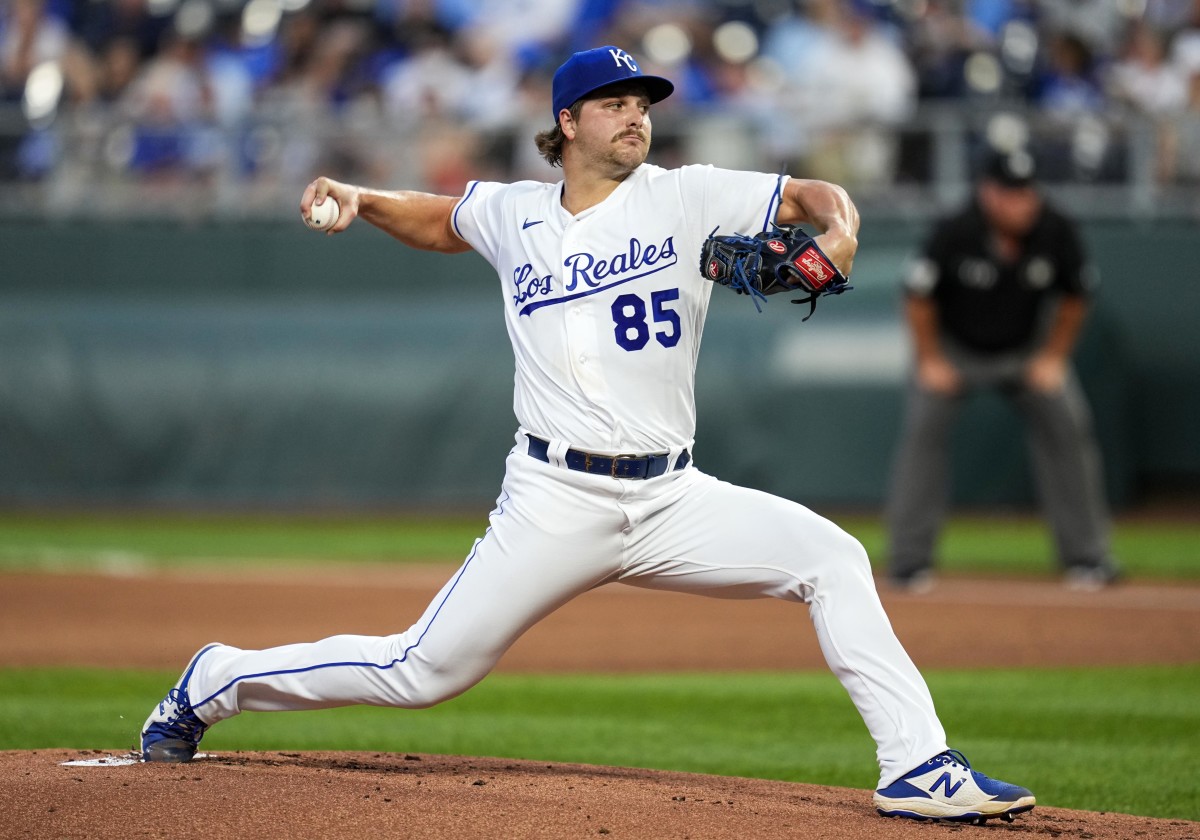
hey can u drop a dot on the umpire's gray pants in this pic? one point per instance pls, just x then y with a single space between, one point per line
1066 462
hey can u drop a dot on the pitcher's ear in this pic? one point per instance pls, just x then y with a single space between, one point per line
567 123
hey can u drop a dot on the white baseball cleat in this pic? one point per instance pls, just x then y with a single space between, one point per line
946 788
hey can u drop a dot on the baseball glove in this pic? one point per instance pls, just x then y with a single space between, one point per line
785 259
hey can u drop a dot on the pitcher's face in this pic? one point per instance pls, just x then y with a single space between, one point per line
613 132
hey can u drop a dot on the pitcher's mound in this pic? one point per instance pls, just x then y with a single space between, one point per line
363 796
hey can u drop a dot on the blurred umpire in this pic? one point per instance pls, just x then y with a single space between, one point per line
997 300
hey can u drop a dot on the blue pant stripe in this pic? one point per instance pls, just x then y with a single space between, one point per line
376 665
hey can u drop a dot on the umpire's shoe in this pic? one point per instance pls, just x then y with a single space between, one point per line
172 732
946 788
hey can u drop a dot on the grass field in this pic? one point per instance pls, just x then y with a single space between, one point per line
1015 545
1115 739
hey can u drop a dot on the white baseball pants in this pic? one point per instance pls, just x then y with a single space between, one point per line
555 534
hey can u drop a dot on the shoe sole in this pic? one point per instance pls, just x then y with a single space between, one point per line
1007 813
169 751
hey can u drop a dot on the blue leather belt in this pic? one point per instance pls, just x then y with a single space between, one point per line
617 466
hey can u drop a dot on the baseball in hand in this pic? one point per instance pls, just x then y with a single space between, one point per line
323 216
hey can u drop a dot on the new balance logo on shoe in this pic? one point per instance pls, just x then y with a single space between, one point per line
945 781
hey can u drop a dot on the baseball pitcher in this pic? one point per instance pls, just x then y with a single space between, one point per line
604 280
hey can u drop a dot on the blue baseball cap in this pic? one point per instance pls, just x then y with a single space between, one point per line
591 70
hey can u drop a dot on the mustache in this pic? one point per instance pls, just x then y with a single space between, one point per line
641 135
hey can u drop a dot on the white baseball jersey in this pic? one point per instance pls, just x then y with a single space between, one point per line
605 309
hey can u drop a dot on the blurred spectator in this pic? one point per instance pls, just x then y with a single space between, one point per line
847 87
240 61
40 72
1185 47
115 66
30 37
869 91
468 80
989 17
167 104
518 28
1154 89
1181 145
1143 79
939 43
314 93
1097 24
1168 15
1078 144
429 82
790 52
99 24
1069 86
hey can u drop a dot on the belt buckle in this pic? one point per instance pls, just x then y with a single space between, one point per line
612 470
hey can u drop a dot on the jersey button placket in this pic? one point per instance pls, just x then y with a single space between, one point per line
575 321
578 319
581 333
586 332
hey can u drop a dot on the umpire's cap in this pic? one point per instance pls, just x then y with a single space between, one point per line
1015 168
590 70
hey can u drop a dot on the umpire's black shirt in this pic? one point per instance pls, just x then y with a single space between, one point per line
985 303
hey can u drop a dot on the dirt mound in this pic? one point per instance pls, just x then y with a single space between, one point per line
365 795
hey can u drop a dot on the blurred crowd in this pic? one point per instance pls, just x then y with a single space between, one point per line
428 93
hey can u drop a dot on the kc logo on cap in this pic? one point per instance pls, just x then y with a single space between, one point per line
619 55
590 70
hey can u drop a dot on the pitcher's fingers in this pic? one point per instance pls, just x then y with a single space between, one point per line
318 189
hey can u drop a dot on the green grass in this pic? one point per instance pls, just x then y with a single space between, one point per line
1105 739
83 541
1007 545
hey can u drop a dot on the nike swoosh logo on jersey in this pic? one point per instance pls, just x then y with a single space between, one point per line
529 224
